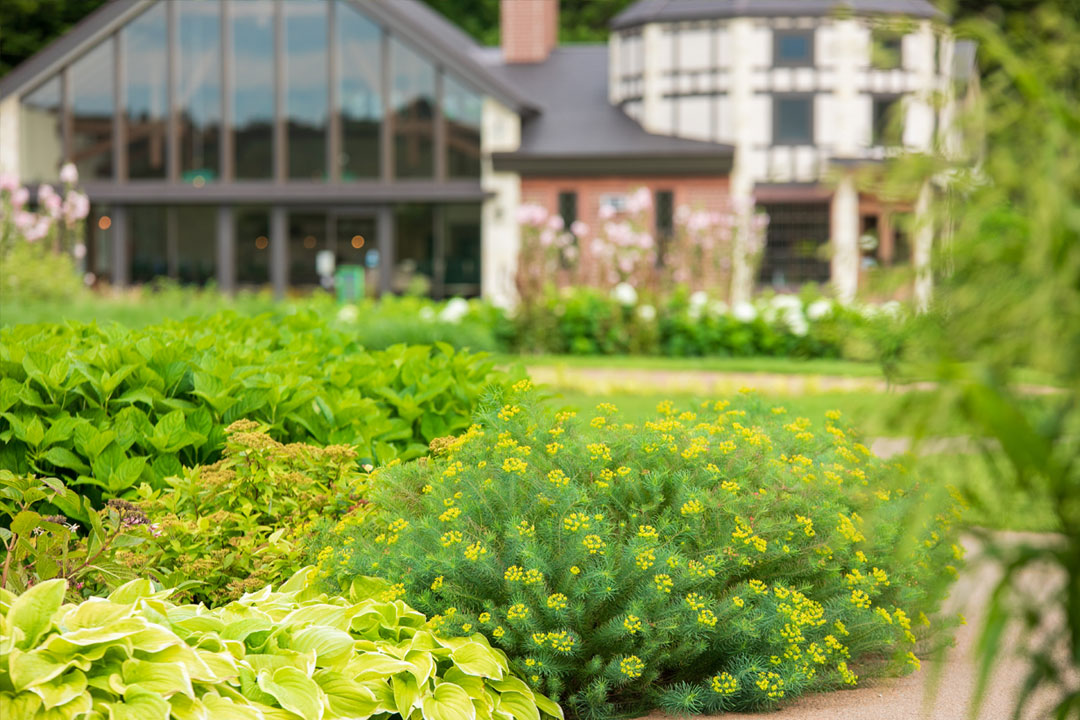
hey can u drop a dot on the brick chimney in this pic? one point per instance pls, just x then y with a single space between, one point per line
529 29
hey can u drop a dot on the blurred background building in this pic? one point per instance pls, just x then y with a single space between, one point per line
232 140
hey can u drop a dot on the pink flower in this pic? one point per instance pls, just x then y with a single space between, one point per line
39 229
556 223
531 214
606 212
547 237
9 182
76 207
69 174
49 201
639 202
20 197
24 220
579 228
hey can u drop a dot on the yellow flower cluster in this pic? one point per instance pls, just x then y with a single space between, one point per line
663 582
475 551
692 507
515 465
509 411
594 544
724 684
558 478
576 521
437 583
449 538
599 451
632 623
631 666
771 684
517 611
557 601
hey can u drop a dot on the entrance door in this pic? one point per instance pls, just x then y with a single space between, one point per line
355 245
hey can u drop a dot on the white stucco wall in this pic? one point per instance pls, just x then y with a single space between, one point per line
500 234
9 135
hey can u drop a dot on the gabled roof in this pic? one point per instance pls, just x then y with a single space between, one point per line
579 131
410 19
647 11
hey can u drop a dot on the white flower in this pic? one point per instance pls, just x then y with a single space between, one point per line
69 174
819 309
75 208
427 314
625 294
647 313
892 308
744 312
79 251
718 307
698 301
796 321
347 313
454 310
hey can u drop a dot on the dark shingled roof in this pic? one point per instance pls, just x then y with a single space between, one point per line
646 11
577 121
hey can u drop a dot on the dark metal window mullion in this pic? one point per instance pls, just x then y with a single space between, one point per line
119 129
386 144
334 125
66 125
440 125
438 251
172 66
281 167
227 160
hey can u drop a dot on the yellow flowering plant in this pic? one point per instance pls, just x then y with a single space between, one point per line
706 561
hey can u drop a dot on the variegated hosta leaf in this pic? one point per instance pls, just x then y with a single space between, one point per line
268 656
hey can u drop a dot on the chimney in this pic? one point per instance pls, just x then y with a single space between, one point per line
529 29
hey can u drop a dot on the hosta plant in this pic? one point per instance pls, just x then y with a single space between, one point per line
292 654
229 528
108 408
717 559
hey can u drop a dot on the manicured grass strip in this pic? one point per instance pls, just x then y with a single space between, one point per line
784 366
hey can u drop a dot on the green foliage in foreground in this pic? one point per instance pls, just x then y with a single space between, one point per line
108 408
229 528
279 655
737 556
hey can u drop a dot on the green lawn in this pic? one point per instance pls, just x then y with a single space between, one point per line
779 365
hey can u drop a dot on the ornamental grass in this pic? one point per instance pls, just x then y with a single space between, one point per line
728 557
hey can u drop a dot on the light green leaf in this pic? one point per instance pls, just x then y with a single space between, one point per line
448 702
346 697
160 678
140 705
406 693
20 705
475 659
519 705
220 708
330 646
60 690
32 612
294 691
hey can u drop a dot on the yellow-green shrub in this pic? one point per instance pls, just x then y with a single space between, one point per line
279 655
725 558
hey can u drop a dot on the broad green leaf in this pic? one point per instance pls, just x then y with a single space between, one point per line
220 708
406 693
19 705
448 702
32 612
519 705
140 705
330 645
294 691
25 522
476 659
64 458
346 697
60 690
160 678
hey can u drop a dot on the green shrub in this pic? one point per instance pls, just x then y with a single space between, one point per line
229 528
286 654
36 547
109 407
390 320
729 556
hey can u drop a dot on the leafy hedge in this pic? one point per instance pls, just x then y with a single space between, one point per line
286 654
108 407
719 559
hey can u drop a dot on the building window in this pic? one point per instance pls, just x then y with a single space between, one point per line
887 127
252 245
414 249
307 236
568 207
793 120
93 107
306 93
463 110
252 34
148 239
413 102
796 245
793 48
886 49
360 93
198 96
462 261
40 132
145 94
196 242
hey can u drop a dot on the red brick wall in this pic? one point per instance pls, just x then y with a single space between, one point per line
528 29
704 193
